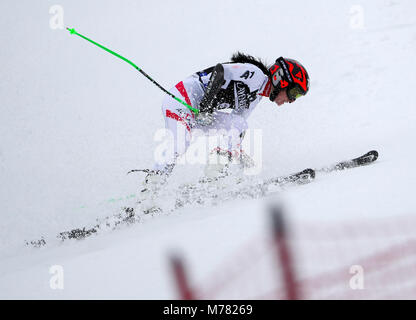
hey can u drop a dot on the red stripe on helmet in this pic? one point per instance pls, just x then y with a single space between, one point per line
302 83
273 69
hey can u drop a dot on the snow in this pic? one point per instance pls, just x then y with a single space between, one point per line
75 119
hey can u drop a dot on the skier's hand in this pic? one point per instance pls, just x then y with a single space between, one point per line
204 118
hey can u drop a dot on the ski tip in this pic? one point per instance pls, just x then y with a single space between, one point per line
375 154
311 172
302 177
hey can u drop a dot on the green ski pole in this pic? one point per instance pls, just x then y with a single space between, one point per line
72 31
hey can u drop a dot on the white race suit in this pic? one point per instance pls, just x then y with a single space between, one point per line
244 86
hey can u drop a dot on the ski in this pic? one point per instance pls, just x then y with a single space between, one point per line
126 217
363 160
210 191
214 191
301 177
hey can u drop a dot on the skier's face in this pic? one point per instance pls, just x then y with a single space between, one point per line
282 98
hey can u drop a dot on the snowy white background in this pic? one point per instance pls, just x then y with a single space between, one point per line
75 119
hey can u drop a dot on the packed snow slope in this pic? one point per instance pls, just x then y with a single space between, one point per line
74 119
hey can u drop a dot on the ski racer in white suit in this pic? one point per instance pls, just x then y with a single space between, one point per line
225 96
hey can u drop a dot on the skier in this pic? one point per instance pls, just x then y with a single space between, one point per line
225 96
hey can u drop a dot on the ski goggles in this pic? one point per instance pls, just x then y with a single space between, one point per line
294 92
